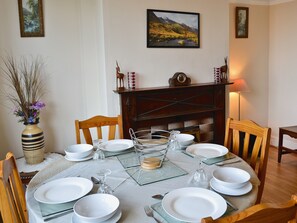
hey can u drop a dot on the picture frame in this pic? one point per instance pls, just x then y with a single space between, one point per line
173 29
31 18
242 22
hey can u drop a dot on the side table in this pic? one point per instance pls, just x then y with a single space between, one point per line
28 171
290 131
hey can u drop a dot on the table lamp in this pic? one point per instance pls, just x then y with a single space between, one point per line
238 86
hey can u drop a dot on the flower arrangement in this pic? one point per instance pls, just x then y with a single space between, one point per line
32 116
26 86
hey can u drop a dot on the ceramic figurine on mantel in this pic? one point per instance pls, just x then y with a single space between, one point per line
224 71
25 80
120 77
221 73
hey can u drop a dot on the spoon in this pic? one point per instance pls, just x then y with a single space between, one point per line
159 196
95 180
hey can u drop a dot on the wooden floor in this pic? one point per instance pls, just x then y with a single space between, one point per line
281 178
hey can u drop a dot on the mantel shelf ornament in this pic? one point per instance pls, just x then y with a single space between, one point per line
179 79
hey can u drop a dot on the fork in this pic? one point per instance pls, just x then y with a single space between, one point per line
149 212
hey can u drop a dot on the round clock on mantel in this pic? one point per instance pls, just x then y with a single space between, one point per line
179 79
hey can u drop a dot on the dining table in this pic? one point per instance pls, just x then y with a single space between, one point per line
132 185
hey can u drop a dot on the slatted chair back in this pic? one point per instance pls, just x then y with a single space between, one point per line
251 142
13 202
98 122
262 213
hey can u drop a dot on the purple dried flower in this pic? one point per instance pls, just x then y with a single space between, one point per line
38 105
31 120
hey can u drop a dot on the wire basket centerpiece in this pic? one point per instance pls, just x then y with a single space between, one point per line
151 146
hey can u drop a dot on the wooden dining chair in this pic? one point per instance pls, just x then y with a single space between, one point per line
98 122
262 213
13 202
251 142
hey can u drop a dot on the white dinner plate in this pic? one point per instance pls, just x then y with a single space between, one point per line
207 150
63 190
117 145
190 204
230 191
79 159
115 218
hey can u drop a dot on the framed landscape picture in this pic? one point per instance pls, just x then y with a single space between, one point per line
242 22
173 29
31 18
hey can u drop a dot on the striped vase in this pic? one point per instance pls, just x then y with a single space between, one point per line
33 144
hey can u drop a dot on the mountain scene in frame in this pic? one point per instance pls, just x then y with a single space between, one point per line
172 29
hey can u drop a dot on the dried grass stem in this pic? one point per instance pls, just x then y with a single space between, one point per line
25 81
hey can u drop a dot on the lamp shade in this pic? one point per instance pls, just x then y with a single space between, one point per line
239 85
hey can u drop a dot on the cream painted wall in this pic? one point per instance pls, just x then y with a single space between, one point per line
125 41
74 62
83 39
282 69
267 61
249 60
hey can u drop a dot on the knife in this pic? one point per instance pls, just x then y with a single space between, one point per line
59 214
227 162
219 159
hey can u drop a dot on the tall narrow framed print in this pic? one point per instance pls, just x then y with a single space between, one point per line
173 29
242 22
31 18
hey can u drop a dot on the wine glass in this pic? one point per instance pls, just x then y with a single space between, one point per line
104 188
99 154
199 178
173 138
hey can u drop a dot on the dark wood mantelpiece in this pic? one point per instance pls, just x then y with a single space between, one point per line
144 108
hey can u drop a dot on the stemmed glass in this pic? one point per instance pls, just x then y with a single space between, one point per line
199 178
104 188
97 143
173 137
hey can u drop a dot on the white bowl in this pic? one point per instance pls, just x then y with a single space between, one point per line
231 177
96 207
78 151
185 139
